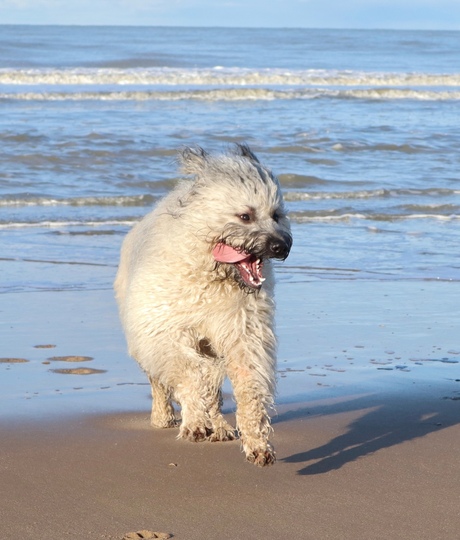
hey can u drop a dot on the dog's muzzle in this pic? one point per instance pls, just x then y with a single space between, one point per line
249 265
278 247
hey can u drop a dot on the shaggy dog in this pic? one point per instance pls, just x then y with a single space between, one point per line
195 292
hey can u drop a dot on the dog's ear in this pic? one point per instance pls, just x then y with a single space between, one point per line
245 151
193 160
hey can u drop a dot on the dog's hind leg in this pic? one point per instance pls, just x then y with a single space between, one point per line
191 393
221 429
199 395
162 410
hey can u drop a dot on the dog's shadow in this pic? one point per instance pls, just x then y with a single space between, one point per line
385 422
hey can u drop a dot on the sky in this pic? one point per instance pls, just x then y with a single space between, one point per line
391 14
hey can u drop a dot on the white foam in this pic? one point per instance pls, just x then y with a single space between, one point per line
238 94
220 76
302 217
125 200
65 224
292 196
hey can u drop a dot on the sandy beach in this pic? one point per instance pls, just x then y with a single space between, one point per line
365 466
366 428
361 127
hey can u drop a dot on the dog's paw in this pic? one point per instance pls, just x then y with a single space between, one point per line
222 434
195 433
163 423
262 458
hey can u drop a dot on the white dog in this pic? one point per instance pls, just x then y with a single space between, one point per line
195 292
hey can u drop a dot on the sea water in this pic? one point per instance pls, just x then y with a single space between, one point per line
361 127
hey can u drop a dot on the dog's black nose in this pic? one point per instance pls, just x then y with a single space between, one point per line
277 248
280 247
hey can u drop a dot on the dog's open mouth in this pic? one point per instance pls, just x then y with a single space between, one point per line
247 264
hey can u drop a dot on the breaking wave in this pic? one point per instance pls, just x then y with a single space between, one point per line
324 216
126 200
222 84
221 77
301 216
50 224
239 94
293 196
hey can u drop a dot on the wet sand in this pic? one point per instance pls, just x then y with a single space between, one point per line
364 466
367 428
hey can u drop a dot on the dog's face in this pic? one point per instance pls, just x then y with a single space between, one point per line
241 210
249 238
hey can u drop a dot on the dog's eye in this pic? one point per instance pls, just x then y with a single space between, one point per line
245 217
276 217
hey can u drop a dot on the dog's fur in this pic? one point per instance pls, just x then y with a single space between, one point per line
191 319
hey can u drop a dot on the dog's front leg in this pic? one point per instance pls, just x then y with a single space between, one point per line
253 380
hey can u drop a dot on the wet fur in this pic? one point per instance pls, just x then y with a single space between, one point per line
190 321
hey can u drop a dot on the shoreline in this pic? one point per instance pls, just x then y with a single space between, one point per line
366 430
333 336
357 467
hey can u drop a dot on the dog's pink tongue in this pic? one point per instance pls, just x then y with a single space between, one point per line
227 254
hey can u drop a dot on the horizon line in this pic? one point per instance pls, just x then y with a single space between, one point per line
234 27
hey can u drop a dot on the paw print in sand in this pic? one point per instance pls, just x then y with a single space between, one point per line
146 534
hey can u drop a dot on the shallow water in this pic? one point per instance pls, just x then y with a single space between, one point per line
336 338
362 129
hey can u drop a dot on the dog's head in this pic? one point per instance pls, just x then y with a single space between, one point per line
238 206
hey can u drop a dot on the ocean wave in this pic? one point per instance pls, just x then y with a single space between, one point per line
290 181
222 77
301 216
125 200
300 180
319 216
239 94
294 196
50 224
